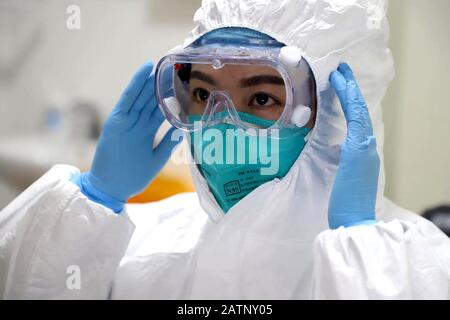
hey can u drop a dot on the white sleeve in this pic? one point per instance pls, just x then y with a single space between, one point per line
395 260
56 243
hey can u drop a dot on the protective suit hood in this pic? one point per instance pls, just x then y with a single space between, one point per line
327 32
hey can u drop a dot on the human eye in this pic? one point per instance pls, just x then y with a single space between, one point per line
262 99
200 94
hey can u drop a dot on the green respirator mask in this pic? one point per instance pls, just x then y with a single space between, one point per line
235 162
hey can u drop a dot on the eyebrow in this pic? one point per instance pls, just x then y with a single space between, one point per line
202 76
262 79
248 82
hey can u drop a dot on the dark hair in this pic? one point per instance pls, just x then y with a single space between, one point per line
183 71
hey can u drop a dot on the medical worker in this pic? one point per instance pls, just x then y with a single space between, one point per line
310 223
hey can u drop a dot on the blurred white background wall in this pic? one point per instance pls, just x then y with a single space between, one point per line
417 105
44 64
94 62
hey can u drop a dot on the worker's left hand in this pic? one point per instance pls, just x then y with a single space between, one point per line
354 192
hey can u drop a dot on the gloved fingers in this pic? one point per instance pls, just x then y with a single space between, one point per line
146 93
353 93
339 85
346 71
145 115
150 119
165 147
151 105
359 126
156 118
357 114
134 88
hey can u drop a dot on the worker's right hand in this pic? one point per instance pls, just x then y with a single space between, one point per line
125 161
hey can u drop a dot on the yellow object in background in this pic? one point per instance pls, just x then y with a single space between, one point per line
171 180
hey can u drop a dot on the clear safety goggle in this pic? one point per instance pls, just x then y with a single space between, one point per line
251 88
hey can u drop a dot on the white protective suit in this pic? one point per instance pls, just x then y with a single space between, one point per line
274 243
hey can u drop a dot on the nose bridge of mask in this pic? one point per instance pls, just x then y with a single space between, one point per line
220 108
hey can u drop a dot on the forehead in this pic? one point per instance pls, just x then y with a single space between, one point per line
235 72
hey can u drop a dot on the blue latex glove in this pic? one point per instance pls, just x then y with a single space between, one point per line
125 161
354 192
